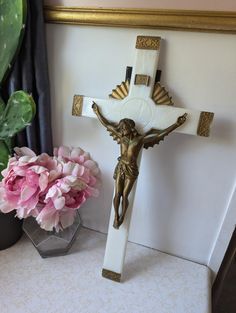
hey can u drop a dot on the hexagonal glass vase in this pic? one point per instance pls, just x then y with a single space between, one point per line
51 243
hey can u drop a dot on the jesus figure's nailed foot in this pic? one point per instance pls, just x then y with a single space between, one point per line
116 223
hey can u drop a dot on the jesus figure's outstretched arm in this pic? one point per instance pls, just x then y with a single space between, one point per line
154 136
111 127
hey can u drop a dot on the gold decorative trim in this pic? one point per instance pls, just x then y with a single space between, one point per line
121 91
160 96
208 21
77 105
141 79
204 124
148 42
111 275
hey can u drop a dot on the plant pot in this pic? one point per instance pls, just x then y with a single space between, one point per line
10 229
51 243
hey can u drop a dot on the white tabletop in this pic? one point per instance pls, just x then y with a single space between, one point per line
154 282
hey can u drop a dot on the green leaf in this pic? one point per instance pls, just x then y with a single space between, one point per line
2 107
4 156
12 21
18 114
9 143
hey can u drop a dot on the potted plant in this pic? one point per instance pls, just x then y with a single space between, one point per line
47 192
19 111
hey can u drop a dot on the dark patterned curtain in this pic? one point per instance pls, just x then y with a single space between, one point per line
30 73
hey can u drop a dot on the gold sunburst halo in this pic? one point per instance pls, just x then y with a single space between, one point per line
121 91
160 95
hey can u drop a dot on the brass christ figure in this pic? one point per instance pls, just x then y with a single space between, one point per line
131 142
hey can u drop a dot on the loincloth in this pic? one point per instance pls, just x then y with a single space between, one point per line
126 169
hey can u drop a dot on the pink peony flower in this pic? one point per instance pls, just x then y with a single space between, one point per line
49 188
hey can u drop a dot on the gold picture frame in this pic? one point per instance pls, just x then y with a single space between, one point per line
183 20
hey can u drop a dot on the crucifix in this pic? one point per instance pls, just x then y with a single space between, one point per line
139 113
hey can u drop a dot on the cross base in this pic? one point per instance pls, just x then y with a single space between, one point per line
111 275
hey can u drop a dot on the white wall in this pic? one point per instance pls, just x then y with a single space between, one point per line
186 183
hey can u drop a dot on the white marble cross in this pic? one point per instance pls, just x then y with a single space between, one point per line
150 106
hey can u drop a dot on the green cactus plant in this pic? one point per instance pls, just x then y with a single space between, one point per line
20 108
12 24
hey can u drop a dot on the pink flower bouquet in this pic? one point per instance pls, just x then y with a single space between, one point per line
50 189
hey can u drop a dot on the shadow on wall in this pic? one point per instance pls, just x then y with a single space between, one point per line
167 192
223 131
95 212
